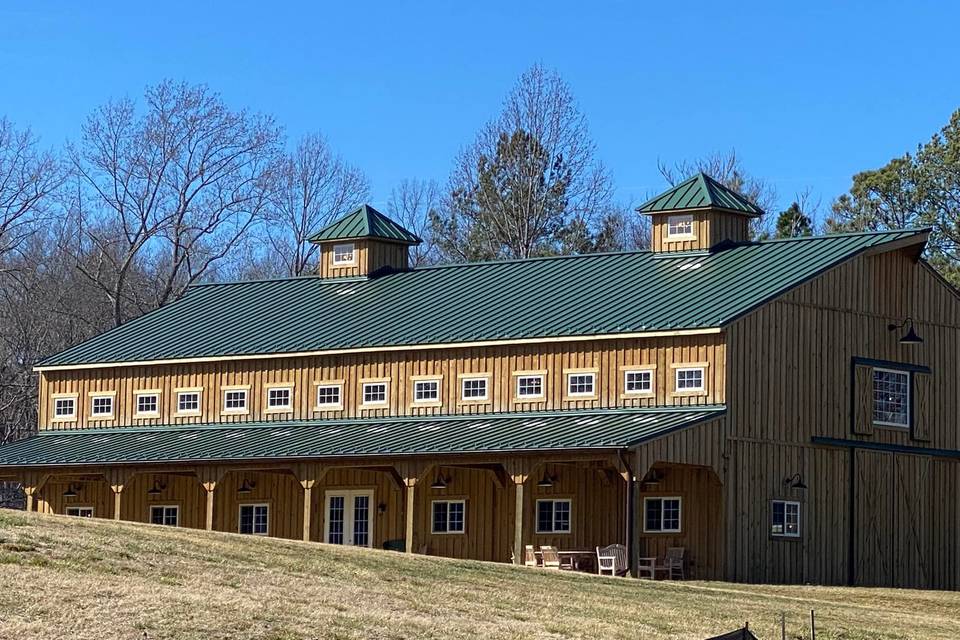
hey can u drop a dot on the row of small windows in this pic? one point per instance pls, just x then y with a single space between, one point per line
329 396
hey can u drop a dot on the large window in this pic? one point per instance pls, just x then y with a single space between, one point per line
662 515
473 389
426 391
449 516
101 406
530 387
329 396
343 254
375 393
785 519
553 516
680 226
280 398
581 384
891 397
80 512
168 515
254 519
638 382
689 379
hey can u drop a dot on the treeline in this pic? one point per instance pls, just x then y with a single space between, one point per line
178 187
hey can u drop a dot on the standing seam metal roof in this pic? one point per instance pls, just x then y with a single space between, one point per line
699 192
516 432
599 294
365 222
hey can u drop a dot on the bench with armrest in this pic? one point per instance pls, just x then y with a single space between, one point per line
612 559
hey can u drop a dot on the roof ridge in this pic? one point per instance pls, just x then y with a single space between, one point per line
840 234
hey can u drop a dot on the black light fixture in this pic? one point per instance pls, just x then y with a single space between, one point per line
547 480
910 337
157 489
795 481
382 507
652 478
246 486
71 491
440 482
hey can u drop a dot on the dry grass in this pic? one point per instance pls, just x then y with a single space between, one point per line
73 578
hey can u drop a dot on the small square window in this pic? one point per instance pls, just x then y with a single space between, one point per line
785 519
101 406
553 516
449 516
426 390
165 514
343 254
188 402
375 393
581 384
65 408
891 397
473 389
662 515
235 400
148 404
254 519
530 386
80 512
690 379
680 226
328 396
638 381
279 398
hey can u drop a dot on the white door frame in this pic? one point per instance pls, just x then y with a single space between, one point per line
348 496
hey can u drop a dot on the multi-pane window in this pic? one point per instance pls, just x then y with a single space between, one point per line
530 386
65 408
148 404
426 390
581 384
449 516
681 226
235 400
638 381
375 393
785 519
553 516
690 379
254 519
343 254
168 515
891 397
473 389
101 406
81 512
188 402
328 395
279 398
661 515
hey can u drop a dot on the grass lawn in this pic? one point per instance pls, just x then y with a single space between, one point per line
77 578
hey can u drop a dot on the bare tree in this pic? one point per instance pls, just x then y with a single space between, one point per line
411 204
28 177
315 186
529 175
727 169
174 188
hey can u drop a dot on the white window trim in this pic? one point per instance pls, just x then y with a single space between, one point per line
520 375
240 507
464 378
379 404
553 516
679 237
692 366
799 519
136 403
189 391
79 507
164 507
353 254
427 401
679 500
235 411
898 425
101 395
448 532
327 384
581 395
72 417
348 495
286 408
639 369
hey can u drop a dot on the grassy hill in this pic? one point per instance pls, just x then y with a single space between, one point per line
71 578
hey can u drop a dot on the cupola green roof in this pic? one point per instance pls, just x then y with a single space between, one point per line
365 222
701 192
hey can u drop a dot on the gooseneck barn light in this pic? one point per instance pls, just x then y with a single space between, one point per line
910 337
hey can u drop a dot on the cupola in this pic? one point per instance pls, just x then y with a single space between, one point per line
699 214
363 243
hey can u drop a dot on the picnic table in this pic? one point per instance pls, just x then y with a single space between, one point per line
576 559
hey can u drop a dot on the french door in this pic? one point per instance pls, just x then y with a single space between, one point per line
348 518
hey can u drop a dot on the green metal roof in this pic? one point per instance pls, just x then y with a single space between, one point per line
512 432
699 192
365 222
598 294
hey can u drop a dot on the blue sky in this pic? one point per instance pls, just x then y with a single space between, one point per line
807 93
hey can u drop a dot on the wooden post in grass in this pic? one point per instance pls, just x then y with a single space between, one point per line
519 471
32 484
118 480
410 473
209 478
308 474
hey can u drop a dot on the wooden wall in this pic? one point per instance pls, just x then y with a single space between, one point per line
709 228
607 357
370 256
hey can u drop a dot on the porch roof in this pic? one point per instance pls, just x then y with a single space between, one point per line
493 433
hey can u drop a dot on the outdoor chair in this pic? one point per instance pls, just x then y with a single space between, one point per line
529 557
674 565
612 559
551 559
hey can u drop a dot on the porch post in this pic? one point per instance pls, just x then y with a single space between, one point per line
519 471
411 484
209 478
117 479
32 483
309 474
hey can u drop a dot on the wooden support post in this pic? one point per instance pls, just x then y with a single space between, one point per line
519 471
411 484
32 484
209 478
117 479
308 474
411 474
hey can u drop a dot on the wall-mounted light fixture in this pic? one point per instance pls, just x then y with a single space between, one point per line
910 337
652 478
547 480
382 508
157 489
246 486
72 490
795 481
441 482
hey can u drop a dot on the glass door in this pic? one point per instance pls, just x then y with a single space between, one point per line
348 517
